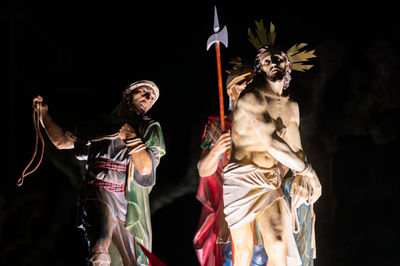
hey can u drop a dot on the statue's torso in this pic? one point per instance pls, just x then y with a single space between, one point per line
248 147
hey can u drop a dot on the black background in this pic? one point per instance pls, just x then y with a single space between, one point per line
80 59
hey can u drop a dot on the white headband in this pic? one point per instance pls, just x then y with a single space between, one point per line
142 83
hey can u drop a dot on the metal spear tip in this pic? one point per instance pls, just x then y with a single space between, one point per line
216 23
218 36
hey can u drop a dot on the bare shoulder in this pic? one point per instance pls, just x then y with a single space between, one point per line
251 101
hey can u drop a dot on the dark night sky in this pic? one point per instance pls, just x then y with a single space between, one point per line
80 60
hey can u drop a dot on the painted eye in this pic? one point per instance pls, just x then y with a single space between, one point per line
267 62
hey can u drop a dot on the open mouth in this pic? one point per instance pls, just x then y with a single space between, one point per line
143 105
274 70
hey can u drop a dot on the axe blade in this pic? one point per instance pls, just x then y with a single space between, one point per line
221 37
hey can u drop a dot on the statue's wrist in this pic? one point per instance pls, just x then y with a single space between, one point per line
215 153
306 171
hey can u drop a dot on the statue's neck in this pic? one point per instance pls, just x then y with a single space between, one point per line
276 87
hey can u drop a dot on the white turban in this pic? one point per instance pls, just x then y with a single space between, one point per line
142 83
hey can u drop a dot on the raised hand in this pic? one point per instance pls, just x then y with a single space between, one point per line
223 143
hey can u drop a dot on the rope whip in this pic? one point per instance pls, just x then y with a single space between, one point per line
38 135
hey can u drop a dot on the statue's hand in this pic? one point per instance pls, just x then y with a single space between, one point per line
41 108
38 103
308 180
315 188
223 143
126 132
299 191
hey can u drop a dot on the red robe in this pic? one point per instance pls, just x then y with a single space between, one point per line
209 193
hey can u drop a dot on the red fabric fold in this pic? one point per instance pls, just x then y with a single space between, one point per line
154 261
209 193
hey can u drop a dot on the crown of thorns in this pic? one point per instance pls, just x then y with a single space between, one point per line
296 55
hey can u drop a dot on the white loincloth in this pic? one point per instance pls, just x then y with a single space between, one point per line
248 191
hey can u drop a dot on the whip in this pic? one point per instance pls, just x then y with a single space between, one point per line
38 135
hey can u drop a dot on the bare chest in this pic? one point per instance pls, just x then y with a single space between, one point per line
279 110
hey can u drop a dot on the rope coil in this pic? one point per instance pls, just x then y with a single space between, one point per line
38 135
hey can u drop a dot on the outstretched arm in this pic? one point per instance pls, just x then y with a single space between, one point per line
55 132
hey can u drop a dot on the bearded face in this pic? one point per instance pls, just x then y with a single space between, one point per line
141 100
273 64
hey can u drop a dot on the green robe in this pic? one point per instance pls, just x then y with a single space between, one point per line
138 220
137 195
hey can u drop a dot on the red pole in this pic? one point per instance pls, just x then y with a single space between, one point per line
220 90
221 95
